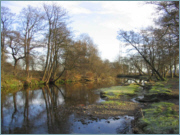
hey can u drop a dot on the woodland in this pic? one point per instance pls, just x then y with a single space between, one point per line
38 46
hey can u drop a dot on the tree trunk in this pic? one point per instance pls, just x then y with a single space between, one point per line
2 51
15 67
152 67
175 67
47 57
171 71
59 75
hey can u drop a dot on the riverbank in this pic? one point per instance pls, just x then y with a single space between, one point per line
115 103
14 82
11 81
157 112
160 113
94 108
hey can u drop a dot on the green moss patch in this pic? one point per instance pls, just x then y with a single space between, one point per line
158 89
116 91
10 81
111 102
160 118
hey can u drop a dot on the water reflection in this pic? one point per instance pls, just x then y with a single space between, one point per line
104 126
126 81
35 111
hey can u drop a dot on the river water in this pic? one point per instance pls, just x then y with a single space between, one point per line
34 111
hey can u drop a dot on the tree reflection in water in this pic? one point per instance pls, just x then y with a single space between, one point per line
35 111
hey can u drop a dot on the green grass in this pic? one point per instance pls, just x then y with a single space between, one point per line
10 81
116 91
60 82
113 94
111 102
160 118
160 88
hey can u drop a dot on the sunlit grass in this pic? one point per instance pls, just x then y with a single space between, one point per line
114 92
10 81
159 88
160 118
111 102
120 90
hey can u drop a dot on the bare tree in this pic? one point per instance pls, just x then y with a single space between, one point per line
16 46
30 24
57 37
136 41
7 19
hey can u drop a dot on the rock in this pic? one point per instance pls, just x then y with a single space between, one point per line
90 115
94 118
135 130
116 118
108 121
102 95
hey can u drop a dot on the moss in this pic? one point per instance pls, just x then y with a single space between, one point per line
69 81
60 82
160 118
111 102
159 88
34 82
7 90
10 81
116 91
41 82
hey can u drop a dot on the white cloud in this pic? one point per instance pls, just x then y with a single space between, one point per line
74 7
80 11
71 6
127 15
101 19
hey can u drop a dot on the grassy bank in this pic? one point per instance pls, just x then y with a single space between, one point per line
160 118
116 102
12 83
161 115
116 91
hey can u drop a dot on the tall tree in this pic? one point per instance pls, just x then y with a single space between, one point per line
30 23
169 23
7 19
57 37
136 41
14 42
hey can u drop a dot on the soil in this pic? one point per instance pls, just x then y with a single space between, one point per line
105 111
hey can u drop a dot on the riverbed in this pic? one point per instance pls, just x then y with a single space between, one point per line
54 110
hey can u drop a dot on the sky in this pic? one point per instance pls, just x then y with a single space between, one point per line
100 20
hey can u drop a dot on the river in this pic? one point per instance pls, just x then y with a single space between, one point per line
35 111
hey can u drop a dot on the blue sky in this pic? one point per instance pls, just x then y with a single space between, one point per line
100 20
